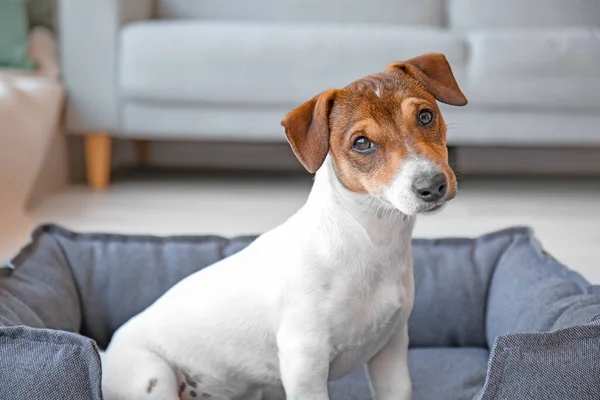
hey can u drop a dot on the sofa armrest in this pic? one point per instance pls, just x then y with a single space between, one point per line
89 39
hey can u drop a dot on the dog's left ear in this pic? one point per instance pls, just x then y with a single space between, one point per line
307 130
433 70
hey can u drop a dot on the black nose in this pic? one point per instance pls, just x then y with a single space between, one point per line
430 188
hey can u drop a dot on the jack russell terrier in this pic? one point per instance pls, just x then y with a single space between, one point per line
332 287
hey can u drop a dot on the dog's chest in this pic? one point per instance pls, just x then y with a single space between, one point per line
369 314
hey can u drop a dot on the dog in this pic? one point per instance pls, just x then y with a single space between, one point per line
331 288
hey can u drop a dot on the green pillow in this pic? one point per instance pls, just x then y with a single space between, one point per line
14 31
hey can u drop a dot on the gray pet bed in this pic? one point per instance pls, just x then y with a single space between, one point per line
65 292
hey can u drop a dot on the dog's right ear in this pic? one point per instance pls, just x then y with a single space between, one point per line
307 130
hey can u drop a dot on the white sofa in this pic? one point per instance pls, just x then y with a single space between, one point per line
230 70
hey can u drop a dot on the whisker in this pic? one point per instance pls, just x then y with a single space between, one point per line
391 210
372 200
381 204
365 200
398 216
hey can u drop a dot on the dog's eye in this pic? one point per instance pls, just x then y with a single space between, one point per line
425 117
363 145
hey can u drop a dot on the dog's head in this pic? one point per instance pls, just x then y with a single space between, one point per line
385 133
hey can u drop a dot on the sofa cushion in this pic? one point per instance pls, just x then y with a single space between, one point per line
202 121
263 64
424 12
48 364
537 69
471 14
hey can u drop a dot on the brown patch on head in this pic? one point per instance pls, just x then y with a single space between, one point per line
151 385
385 108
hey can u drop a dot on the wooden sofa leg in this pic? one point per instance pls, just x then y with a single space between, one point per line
97 158
142 148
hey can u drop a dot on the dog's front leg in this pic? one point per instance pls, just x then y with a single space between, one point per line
304 363
388 370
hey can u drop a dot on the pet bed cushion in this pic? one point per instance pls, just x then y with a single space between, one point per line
458 371
469 292
564 364
47 364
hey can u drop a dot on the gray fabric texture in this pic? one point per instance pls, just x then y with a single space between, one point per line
83 282
43 364
452 277
40 292
469 292
459 372
437 373
532 292
564 364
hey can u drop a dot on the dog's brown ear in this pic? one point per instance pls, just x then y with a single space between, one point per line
307 130
433 70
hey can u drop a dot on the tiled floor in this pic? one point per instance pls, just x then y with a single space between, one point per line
564 214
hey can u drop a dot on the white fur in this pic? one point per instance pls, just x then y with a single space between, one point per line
309 301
